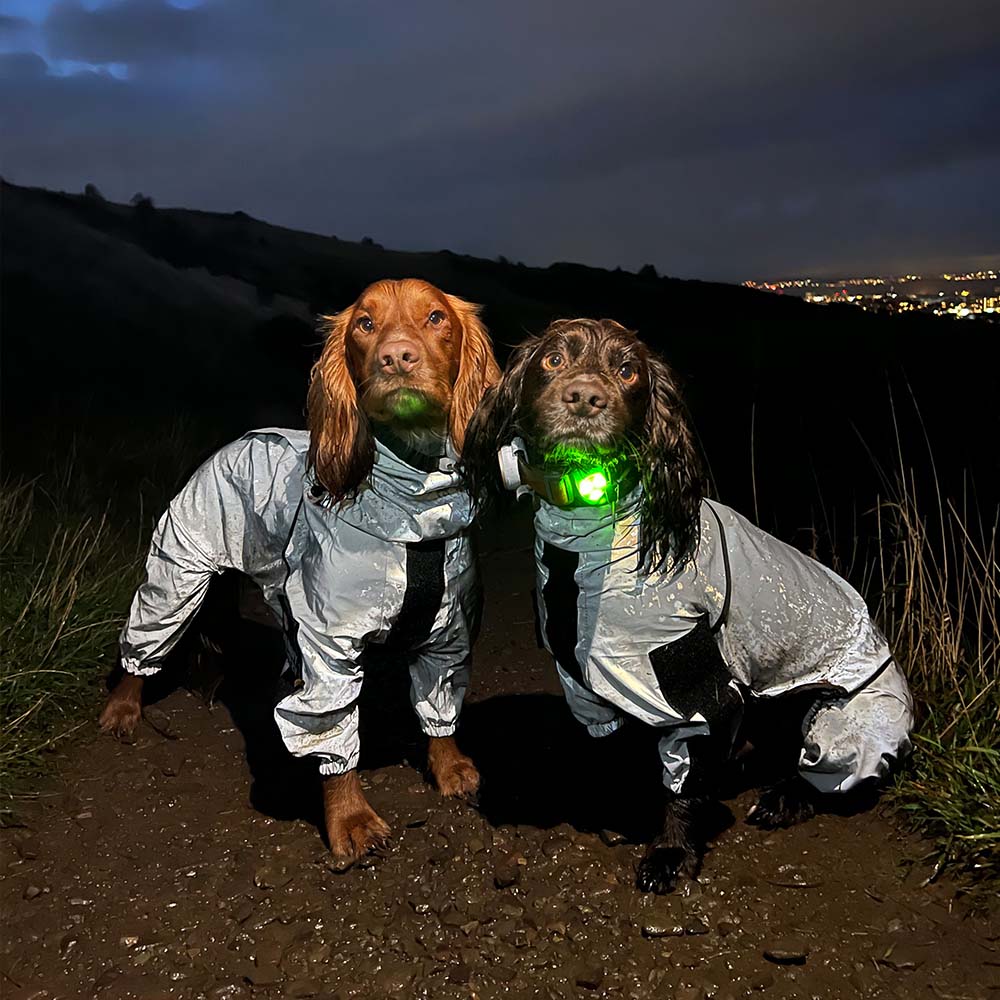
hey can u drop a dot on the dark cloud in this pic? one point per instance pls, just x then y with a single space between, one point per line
712 138
134 31
21 66
11 24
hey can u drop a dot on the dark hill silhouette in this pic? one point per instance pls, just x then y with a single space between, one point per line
132 315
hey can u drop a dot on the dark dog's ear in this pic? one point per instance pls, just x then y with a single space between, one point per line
493 424
341 447
672 477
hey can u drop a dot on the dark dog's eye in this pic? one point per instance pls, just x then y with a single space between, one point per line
366 324
553 360
628 373
436 318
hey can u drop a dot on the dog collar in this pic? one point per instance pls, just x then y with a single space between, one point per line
594 484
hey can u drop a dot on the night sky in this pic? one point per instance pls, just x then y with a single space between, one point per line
721 139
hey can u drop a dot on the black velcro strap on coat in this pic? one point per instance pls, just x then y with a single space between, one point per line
560 595
694 678
423 596
724 616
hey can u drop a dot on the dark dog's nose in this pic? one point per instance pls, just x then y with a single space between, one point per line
401 356
586 397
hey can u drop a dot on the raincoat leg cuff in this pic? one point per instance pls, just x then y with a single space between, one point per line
599 729
133 666
438 728
330 766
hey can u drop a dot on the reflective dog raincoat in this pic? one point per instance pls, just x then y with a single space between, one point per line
748 617
394 564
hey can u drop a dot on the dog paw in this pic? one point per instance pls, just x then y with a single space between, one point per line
782 805
662 866
359 834
459 779
454 774
120 717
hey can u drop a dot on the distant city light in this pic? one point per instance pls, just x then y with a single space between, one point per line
900 293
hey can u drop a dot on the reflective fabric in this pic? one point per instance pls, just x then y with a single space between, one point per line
336 577
781 621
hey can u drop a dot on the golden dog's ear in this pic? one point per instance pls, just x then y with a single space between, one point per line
477 368
341 448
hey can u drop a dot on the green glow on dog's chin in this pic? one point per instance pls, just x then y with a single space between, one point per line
592 486
408 404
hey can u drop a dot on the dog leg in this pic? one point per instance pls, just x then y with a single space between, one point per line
453 772
352 826
677 851
788 802
123 709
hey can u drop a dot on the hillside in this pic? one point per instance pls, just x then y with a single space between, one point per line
115 315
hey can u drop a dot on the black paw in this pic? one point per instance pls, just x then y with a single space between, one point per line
782 805
660 868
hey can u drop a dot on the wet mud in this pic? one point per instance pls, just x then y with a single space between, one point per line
190 864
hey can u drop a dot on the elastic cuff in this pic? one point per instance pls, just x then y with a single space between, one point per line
430 728
599 729
132 666
675 783
330 766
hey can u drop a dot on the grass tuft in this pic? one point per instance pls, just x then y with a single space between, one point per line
66 581
940 607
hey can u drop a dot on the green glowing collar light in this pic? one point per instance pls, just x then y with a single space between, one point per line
593 486
567 478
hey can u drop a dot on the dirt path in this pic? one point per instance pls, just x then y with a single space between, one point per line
190 865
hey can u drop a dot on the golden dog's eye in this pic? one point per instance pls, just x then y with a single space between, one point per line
553 360
436 318
366 324
628 372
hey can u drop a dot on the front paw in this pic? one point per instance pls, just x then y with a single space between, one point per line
782 805
363 832
120 717
454 774
662 866
459 779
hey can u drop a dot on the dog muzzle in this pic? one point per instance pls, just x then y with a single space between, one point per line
585 485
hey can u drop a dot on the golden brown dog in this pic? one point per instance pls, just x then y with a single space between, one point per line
418 361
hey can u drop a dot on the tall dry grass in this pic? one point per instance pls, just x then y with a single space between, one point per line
72 543
939 604
66 579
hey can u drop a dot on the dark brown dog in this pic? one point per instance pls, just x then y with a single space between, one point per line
418 360
592 387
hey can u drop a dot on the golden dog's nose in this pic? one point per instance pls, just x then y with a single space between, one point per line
399 355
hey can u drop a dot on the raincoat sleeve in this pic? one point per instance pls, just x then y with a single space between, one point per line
222 519
439 672
675 755
600 717
320 717
439 677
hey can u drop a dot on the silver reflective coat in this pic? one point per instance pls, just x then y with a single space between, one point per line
749 616
396 563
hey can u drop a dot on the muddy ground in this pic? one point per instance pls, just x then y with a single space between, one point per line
190 864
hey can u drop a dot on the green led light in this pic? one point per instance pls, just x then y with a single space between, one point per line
407 404
593 487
